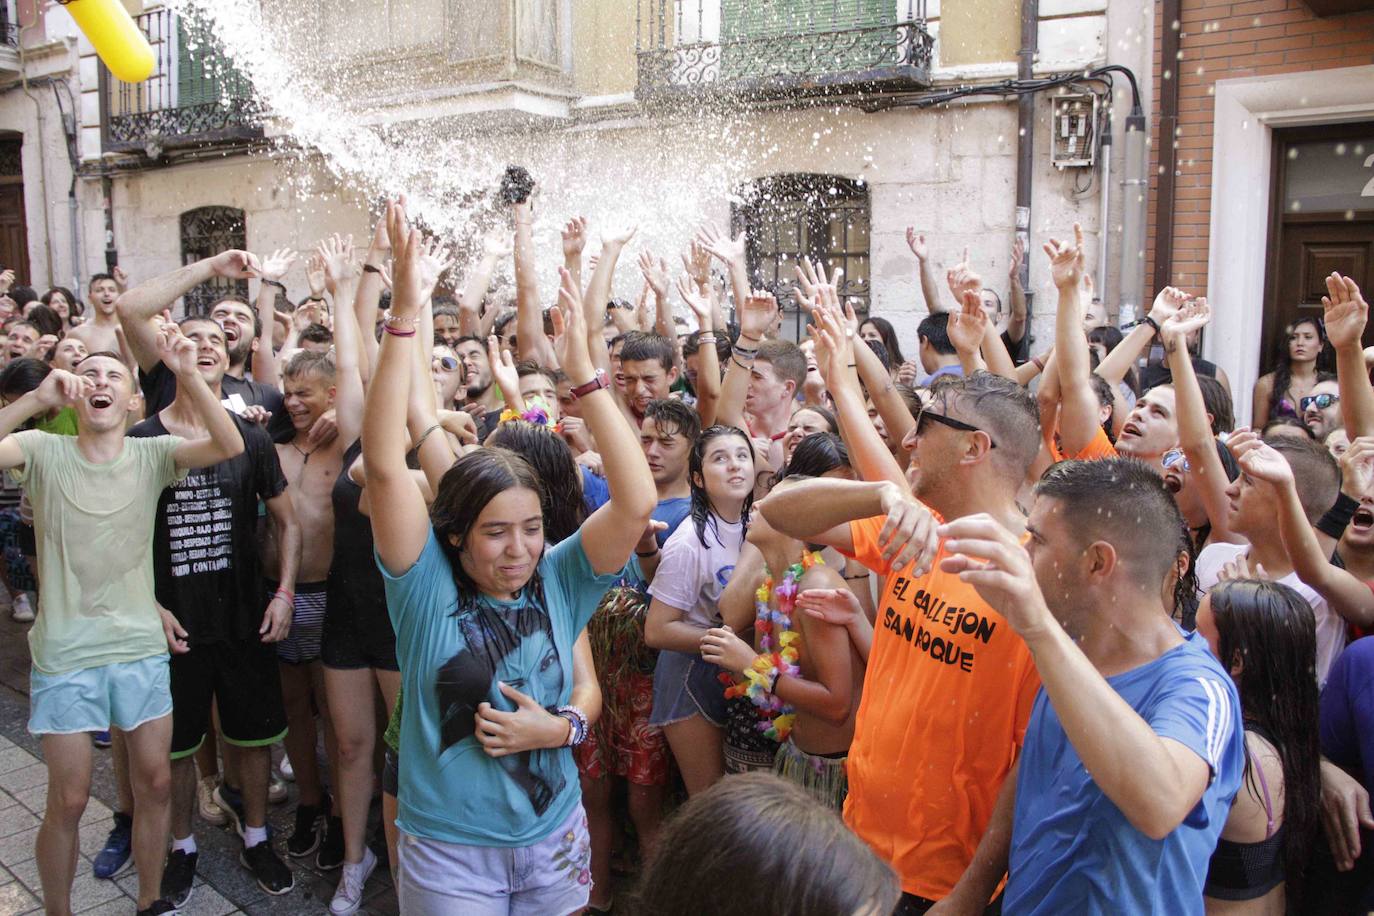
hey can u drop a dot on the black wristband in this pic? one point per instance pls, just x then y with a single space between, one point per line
1337 518
371 269
645 556
278 284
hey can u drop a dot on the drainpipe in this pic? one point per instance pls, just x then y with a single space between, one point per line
1169 13
1104 158
1025 143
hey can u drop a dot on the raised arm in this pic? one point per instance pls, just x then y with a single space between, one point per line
708 371
610 534
574 236
1016 294
1117 363
59 389
337 255
495 247
1345 314
400 522
529 313
1078 406
967 327
754 313
139 308
930 291
1154 781
599 293
274 267
1194 431
731 252
224 440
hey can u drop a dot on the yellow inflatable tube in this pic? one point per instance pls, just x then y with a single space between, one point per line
119 42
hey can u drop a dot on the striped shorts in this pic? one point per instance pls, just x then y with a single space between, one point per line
302 642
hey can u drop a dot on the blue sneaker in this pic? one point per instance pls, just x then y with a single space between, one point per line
101 739
115 857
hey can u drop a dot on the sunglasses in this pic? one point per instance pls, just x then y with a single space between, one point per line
1321 401
927 414
447 363
1174 458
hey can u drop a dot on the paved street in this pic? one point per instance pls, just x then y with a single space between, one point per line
222 885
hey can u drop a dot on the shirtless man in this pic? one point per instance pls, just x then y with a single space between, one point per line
98 334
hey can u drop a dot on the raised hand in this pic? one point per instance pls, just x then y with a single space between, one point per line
992 560
834 344
120 277
756 315
235 265
699 303
336 252
435 258
1066 259
1167 303
655 273
962 280
969 325
1345 311
276 264
917 243
406 296
1018 254
176 350
1184 321
314 275
720 245
619 236
1357 468
1258 460
696 260
503 370
7 280
62 389
574 235
818 288
570 332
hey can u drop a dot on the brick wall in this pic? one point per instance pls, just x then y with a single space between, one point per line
1226 40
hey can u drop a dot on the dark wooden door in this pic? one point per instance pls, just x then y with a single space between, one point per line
1307 253
14 237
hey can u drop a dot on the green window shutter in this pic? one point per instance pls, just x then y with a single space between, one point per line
807 26
204 74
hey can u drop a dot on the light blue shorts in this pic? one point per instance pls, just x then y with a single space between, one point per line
551 877
122 694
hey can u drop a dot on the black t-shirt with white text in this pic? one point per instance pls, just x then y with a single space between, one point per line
206 567
160 389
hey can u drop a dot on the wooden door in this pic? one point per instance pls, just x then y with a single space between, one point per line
1322 206
14 238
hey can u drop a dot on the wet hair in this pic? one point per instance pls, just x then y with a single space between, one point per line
692 345
1274 632
757 845
880 351
560 495
823 412
703 514
23 295
21 376
1218 403
45 320
502 322
786 358
1315 472
644 346
889 336
527 367
74 305
1285 422
1114 500
1005 410
464 491
257 319
316 333
306 362
1110 337
1283 362
449 310
815 456
96 278
471 338
935 328
674 417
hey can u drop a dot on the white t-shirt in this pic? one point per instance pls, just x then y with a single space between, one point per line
1330 626
690 576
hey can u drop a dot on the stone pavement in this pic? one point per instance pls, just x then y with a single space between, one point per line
222 885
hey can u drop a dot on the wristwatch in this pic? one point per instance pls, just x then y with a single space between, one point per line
598 381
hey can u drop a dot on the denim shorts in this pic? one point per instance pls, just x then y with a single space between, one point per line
122 694
553 876
686 686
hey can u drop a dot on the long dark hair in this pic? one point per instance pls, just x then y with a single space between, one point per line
553 462
757 845
889 336
703 515
464 491
1110 337
815 456
1283 363
1273 631
74 305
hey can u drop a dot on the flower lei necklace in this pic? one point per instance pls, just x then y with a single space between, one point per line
779 655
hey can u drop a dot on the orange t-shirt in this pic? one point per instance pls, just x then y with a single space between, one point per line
946 699
1100 447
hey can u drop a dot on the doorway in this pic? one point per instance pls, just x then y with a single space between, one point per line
1322 207
14 235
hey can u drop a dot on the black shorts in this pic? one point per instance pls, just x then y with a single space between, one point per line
242 679
358 634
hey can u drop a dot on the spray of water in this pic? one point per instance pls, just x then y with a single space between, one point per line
667 174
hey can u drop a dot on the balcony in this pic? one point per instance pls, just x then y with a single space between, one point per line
9 43
195 97
779 49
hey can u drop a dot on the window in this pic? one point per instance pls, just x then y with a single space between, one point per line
821 217
205 232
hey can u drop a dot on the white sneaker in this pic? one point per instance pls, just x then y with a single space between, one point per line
210 811
276 790
22 610
284 769
349 895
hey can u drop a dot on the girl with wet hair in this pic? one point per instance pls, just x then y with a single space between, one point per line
755 845
1265 633
695 565
484 611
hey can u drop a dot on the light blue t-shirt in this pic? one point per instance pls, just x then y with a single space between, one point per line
1072 849
450 789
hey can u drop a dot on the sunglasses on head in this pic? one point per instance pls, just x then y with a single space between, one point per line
1320 401
927 415
1174 458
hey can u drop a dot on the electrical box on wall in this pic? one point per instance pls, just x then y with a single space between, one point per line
1073 136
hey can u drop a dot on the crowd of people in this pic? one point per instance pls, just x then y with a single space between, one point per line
638 605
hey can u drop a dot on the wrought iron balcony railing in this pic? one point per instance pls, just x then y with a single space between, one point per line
195 96
9 31
770 49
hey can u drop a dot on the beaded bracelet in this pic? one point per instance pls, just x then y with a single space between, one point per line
395 333
388 315
577 719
